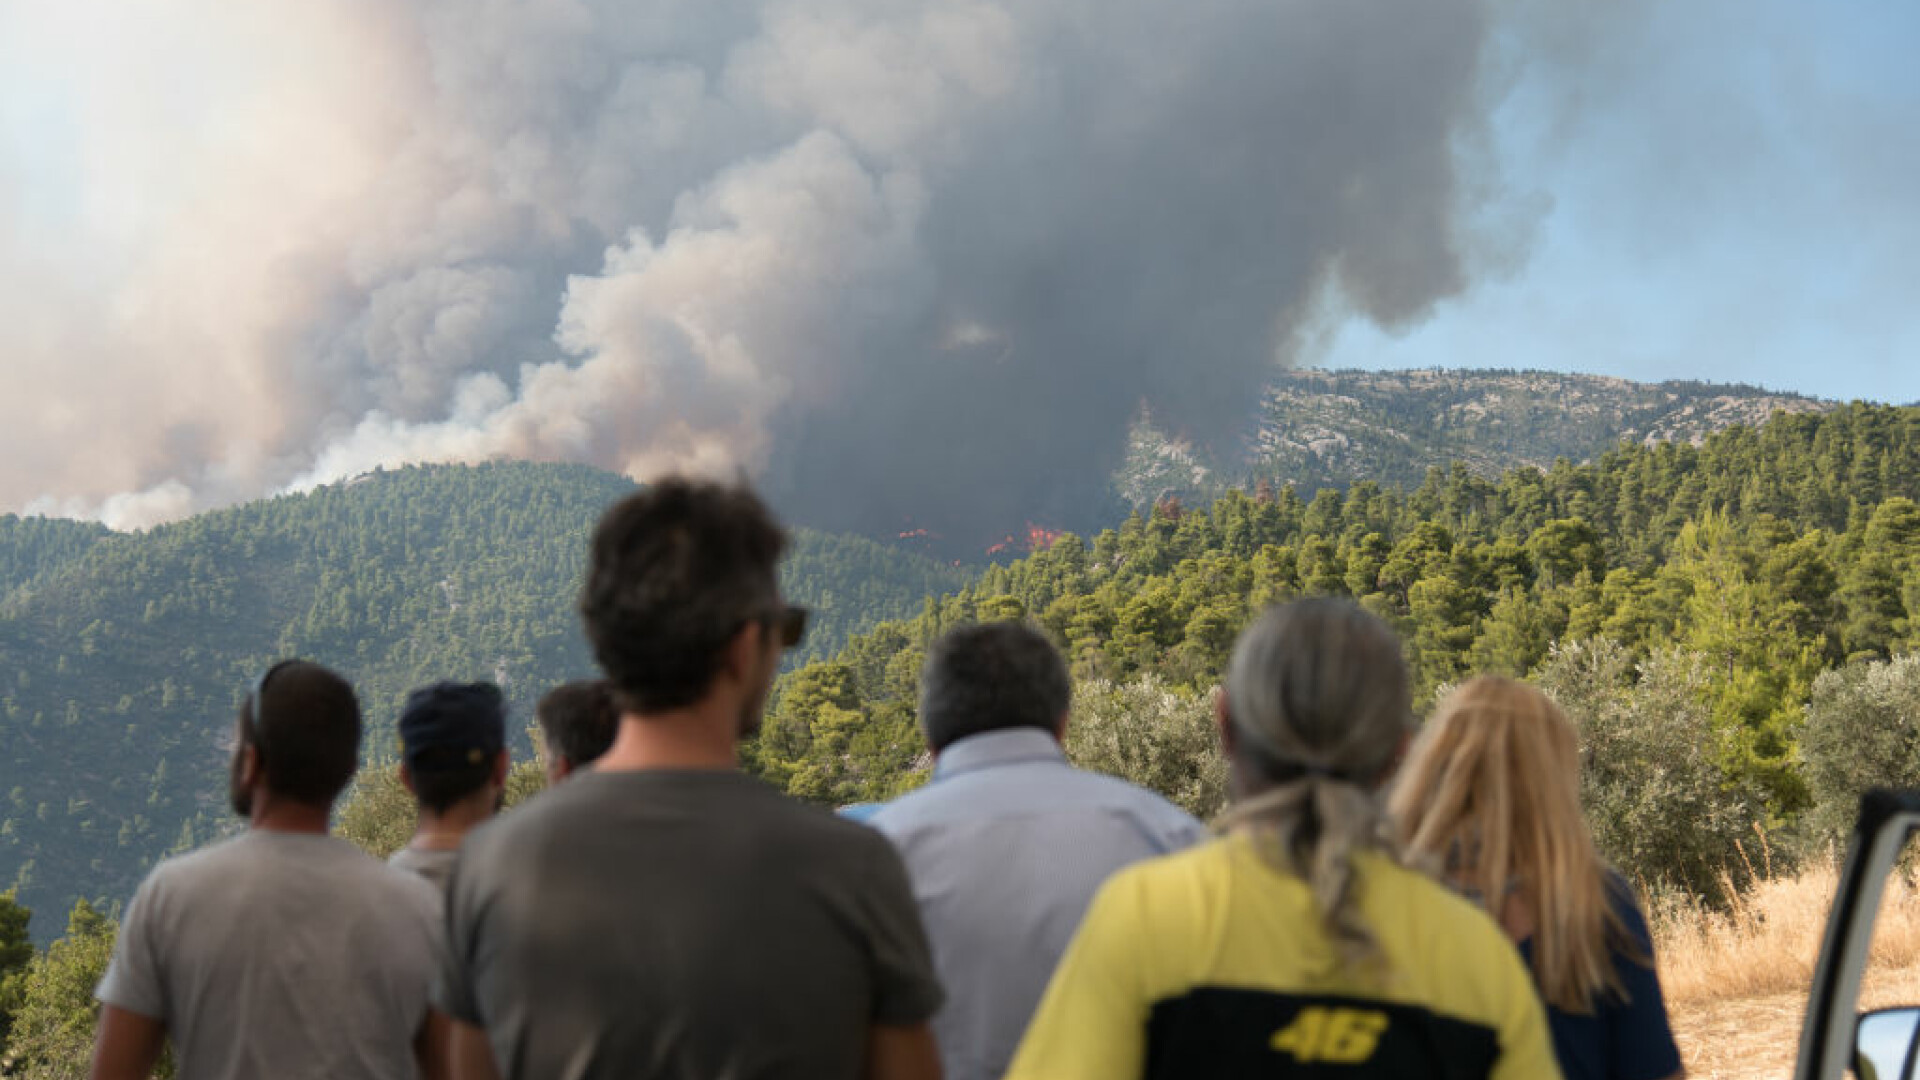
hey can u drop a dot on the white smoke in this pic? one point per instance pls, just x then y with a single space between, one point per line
898 259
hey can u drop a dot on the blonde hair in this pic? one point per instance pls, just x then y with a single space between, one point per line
1318 701
1491 789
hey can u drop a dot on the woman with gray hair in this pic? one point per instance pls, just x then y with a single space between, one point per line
1295 942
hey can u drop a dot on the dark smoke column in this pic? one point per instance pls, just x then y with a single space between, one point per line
1148 216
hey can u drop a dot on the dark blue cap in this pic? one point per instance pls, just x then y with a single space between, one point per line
452 725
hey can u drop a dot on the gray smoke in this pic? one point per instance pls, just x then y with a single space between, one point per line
910 263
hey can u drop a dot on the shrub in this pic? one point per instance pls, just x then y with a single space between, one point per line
1862 730
1155 736
1663 808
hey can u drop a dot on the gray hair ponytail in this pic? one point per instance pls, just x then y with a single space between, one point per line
1318 701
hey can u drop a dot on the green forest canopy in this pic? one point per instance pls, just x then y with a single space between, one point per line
1737 571
122 655
1732 625
1768 556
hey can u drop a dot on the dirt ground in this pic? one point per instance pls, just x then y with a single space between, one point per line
1756 1038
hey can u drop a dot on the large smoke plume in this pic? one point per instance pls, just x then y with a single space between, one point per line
907 261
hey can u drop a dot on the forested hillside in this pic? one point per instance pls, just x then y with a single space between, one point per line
1330 428
1727 576
122 655
1684 600
1733 625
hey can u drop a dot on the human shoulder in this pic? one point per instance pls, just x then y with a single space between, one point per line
1432 902
821 828
1165 905
527 825
350 870
1180 874
419 893
1142 801
245 855
729 799
1016 789
1625 903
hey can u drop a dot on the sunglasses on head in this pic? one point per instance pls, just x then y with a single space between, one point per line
253 701
790 622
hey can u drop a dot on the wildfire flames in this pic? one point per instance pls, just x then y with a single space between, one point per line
1037 538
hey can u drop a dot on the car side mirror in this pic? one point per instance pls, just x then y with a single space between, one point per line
1885 1044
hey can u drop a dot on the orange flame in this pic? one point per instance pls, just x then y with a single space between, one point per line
1040 538
1037 538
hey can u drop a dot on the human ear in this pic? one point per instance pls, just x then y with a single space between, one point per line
1223 719
743 652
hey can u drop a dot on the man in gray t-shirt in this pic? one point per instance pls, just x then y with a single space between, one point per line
283 952
694 921
664 915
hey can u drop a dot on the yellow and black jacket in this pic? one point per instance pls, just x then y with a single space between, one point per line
1211 964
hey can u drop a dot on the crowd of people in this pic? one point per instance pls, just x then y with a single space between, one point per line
1375 903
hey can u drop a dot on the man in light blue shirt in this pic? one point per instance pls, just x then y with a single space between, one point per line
1007 844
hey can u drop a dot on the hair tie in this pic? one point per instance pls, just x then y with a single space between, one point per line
1311 770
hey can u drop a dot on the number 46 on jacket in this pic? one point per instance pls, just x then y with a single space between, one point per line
1333 1035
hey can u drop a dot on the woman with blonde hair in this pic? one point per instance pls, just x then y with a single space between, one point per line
1490 795
1295 943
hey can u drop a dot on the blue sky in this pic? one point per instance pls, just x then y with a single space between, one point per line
1734 196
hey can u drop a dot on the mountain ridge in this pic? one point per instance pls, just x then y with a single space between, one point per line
1318 428
122 654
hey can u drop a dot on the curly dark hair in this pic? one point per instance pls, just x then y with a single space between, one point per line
676 569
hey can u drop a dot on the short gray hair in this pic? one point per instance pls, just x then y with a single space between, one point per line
990 676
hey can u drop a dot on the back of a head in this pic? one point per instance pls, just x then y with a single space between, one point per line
991 677
1318 700
451 735
1491 792
675 570
304 722
1318 686
578 720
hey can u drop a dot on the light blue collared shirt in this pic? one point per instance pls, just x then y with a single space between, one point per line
1005 848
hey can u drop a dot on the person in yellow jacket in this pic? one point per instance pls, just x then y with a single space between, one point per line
1296 944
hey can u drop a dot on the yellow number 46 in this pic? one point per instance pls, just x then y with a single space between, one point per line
1337 1035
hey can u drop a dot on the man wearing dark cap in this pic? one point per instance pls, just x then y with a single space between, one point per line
663 914
283 951
453 757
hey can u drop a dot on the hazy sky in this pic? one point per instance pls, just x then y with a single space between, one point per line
1735 196
887 255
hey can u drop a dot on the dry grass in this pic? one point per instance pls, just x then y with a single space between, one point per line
1736 981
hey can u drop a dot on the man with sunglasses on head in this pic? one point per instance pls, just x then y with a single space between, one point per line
665 915
283 951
